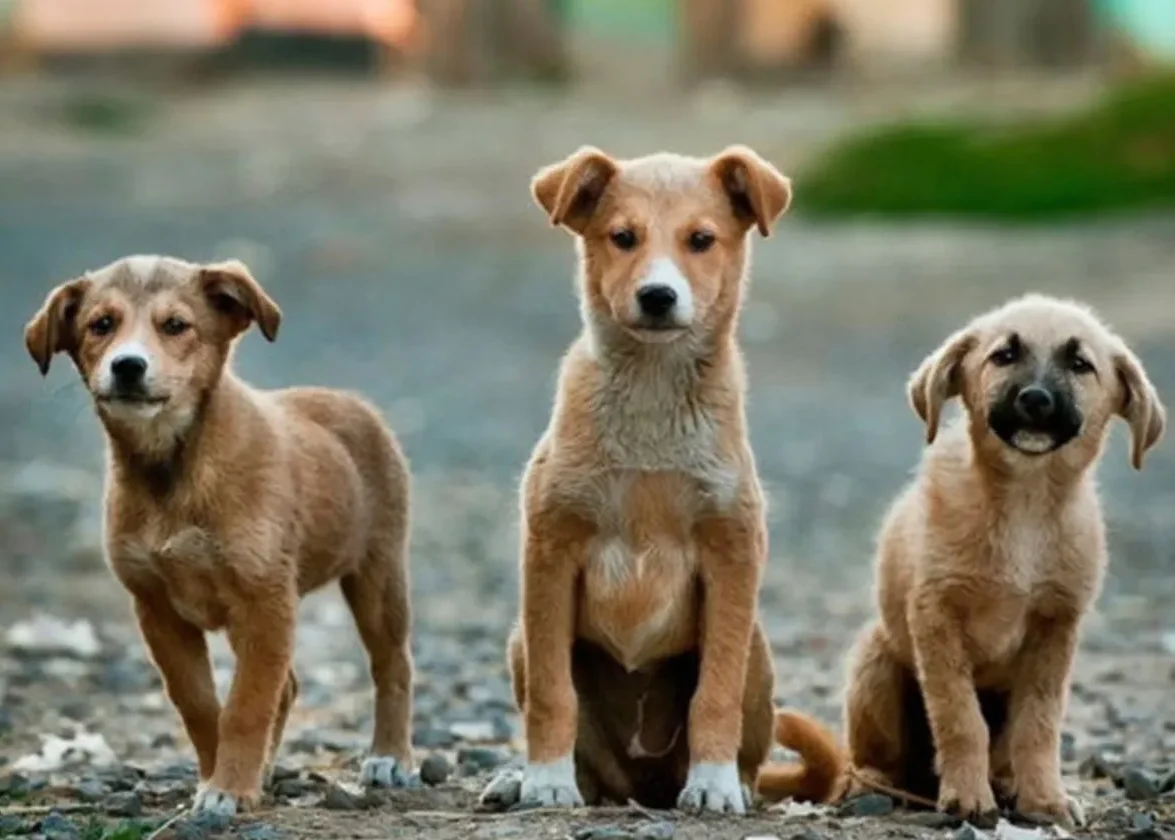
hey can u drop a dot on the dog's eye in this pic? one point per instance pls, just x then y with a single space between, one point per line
700 241
1080 365
174 326
1005 356
624 239
103 325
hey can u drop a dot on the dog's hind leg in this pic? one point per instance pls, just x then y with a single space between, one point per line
874 714
377 594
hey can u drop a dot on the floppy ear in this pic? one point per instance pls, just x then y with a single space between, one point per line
52 330
235 294
758 192
938 379
570 190
1139 405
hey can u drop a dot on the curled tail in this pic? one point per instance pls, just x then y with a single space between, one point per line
822 762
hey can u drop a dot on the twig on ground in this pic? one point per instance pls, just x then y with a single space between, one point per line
168 823
41 810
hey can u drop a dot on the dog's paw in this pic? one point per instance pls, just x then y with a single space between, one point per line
550 785
974 803
1063 810
715 789
383 771
215 803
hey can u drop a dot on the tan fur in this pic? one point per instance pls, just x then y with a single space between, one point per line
986 565
644 536
230 503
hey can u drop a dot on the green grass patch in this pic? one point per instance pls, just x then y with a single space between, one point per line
1117 156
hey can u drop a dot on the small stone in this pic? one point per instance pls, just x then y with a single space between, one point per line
868 805
6 722
281 772
431 738
762 837
293 788
660 830
201 826
338 799
14 784
57 827
10 825
259 831
808 834
89 790
967 832
1004 830
1140 785
123 805
932 819
1141 822
435 769
605 832
482 758
1097 766
164 740
475 730
1068 747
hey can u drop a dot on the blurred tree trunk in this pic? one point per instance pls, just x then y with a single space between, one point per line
1018 33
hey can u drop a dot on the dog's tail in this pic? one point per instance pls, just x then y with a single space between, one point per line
822 762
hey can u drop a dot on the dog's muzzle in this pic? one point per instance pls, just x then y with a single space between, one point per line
1035 419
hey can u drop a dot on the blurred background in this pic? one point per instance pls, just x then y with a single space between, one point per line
369 159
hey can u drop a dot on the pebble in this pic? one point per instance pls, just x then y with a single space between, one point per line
293 788
435 769
1068 747
808 834
1140 785
123 805
10 825
6 722
868 805
660 830
967 832
1097 766
57 827
89 790
338 799
431 738
15 784
259 831
481 758
201 826
645 831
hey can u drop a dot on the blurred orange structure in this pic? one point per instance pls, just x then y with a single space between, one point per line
97 25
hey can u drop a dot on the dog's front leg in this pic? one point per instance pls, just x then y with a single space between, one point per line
1034 719
961 739
261 633
180 652
731 556
553 553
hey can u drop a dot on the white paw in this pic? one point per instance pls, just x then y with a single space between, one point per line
383 771
550 785
713 788
215 802
1076 811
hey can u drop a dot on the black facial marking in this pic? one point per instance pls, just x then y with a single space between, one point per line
1009 353
1070 357
1037 400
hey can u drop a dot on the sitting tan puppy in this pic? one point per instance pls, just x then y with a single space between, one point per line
639 664
225 504
988 561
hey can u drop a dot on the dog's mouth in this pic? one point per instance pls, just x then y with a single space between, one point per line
656 332
1036 440
132 400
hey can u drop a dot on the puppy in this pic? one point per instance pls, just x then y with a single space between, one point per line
638 664
988 561
224 504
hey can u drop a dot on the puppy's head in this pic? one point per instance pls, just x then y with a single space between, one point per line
1040 376
662 239
150 335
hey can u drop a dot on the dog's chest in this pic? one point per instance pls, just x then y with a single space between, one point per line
639 587
180 564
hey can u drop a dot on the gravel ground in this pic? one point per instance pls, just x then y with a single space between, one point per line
397 235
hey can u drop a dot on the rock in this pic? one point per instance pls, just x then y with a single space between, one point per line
867 805
89 790
1139 785
481 758
967 832
259 831
201 826
435 769
11 825
15 784
1097 766
6 722
431 738
807 834
337 798
46 635
1068 747
605 832
659 830
476 730
123 805
58 827
762 837
1004 830
164 740
294 788
282 772
932 819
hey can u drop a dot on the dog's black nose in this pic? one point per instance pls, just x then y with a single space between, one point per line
656 301
128 370
1035 403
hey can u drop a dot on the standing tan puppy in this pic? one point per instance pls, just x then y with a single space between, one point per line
988 561
638 664
225 504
